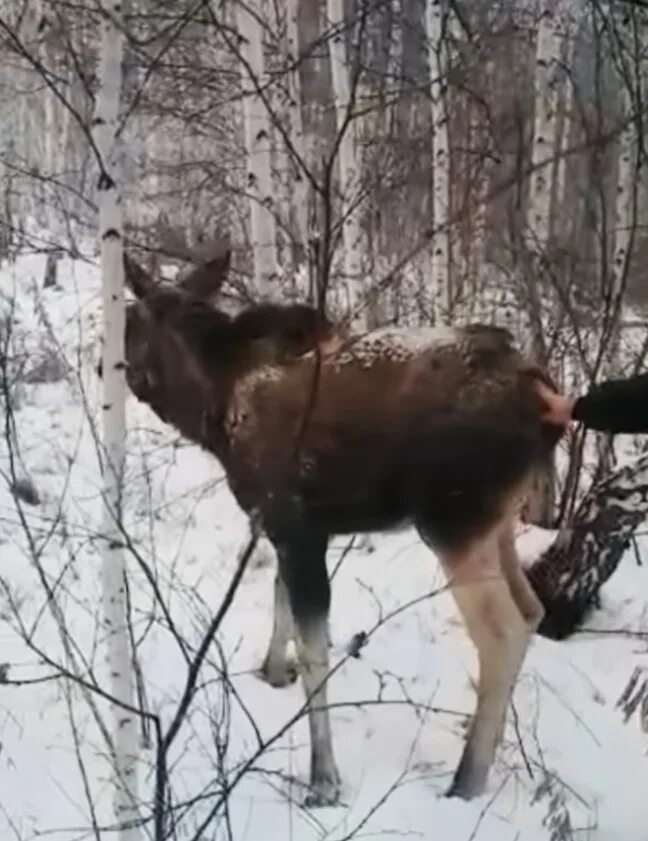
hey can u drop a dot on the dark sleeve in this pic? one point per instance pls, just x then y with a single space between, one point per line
615 406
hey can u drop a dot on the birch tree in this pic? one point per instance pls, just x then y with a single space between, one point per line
624 206
569 575
624 221
480 138
349 169
544 129
298 184
550 34
115 606
538 228
442 294
570 13
571 572
258 146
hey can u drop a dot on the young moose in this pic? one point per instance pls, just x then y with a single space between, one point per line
439 428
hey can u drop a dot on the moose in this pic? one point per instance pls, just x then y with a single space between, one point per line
322 434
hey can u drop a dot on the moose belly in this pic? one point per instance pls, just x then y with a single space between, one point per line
453 478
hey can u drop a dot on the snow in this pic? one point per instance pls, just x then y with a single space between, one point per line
396 757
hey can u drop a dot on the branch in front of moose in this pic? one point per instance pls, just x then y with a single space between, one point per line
356 644
161 813
571 572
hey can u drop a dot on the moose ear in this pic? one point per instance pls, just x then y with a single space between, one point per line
136 278
206 280
210 259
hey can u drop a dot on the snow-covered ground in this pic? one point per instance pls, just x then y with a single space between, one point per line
399 709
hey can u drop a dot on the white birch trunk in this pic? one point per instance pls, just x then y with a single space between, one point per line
393 82
64 132
298 183
540 503
624 204
440 246
624 220
563 145
352 263
538 227
624 212
258 147
50 133
568 12
119 655
548 45
480 140
552 28
50 163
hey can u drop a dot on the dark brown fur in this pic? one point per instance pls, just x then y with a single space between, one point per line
396 443
441 431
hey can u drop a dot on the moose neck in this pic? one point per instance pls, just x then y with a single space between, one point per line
190 402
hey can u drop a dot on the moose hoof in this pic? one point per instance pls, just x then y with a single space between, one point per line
324 792
279 674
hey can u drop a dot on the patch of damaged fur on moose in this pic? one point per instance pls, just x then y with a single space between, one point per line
396 344
239 406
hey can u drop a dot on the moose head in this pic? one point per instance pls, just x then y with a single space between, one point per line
171 325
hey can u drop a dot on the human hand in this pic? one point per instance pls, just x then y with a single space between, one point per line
557 408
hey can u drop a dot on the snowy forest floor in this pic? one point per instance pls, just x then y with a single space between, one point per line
569 768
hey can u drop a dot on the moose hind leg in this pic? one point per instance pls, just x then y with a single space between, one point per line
523 593
303 567
500 635
278 669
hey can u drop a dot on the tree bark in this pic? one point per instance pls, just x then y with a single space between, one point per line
115 604
349 170
570 574
258 148
624 210
440 246
544 128
299 187
550 33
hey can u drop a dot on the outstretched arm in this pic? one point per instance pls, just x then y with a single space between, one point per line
616 406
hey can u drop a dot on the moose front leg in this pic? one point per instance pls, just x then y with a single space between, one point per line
312 646
302 565
278 668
